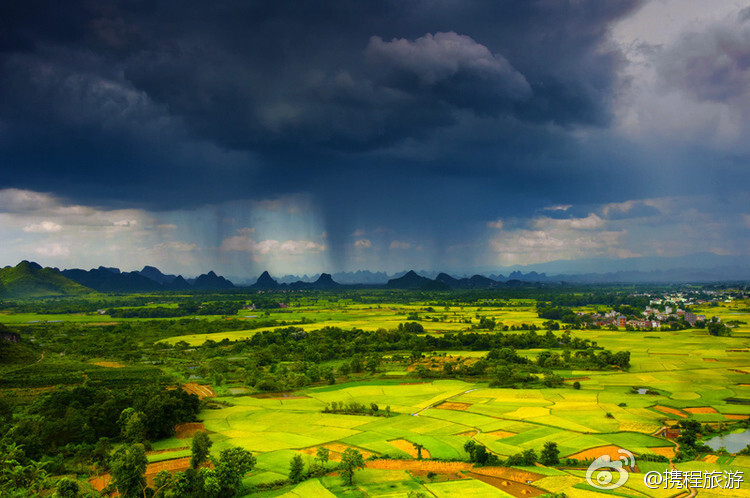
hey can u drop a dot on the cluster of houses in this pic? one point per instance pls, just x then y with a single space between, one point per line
652 317
10 336
659 316
614 318
668 307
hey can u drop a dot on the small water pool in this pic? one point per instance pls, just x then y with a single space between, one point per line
732 442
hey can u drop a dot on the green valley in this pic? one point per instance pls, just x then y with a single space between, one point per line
436 392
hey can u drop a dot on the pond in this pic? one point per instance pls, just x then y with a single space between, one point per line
732 442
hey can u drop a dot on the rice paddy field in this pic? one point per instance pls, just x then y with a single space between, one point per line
689 375
696 376
368 317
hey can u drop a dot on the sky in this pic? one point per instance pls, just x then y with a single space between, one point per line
301 137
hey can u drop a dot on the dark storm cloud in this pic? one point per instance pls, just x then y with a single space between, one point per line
265 74
381 111
258 74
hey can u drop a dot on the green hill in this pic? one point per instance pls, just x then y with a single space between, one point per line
31 280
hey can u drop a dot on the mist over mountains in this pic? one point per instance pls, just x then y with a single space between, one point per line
29 279
699 267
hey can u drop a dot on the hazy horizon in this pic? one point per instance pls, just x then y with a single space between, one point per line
692 268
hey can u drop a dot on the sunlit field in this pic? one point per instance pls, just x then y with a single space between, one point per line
452 319
410 401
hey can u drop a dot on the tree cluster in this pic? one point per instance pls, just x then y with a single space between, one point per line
689 440
71 422
354 408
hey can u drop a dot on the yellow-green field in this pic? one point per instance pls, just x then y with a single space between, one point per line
372 318
694 373
694 376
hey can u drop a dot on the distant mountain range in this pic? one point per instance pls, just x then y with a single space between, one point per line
266 282
409 280
346 278
28 279
699 267
149 279
412 280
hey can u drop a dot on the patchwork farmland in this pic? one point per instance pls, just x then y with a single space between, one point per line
416 413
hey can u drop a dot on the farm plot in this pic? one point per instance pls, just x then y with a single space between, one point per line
604 415
464 488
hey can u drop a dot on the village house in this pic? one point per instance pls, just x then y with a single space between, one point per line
10 337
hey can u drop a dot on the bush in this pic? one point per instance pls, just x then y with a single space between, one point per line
650 457
67 488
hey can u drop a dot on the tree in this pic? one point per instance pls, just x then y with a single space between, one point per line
163 481
232 466
100 453
355 364
418 447
133 426
529 457
550 454
373 362
323 454
296 469
345 369
127 466
183 483
474 451
201 449
211 483
480 455
351 460
67 488
718 329
329 376
552 380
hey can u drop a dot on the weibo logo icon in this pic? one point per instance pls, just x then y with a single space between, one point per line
600 472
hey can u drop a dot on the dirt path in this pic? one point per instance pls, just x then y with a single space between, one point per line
661 429
691 492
